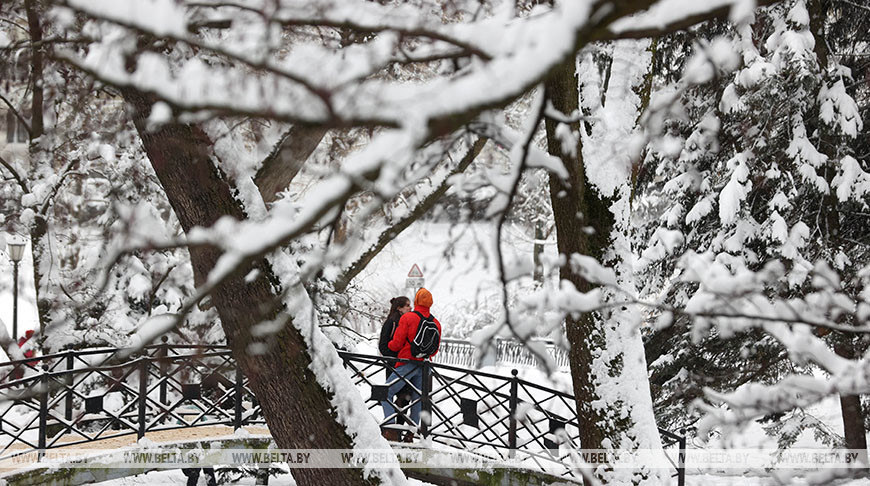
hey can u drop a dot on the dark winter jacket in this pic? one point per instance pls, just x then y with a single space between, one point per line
387 332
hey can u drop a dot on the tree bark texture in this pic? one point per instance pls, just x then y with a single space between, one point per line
538 250
286 160
39 231
296 407
853 420
37 126
854 432
608 368
575 207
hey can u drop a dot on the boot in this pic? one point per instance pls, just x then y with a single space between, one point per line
409 437
391 435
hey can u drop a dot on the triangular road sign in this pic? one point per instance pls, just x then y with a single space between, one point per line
415 272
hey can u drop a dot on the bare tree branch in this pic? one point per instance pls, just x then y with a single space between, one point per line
66 172
286 159
526 148
343 280
680 24
215 110
15 175
15 24
17 115
596 27
262 64
382 25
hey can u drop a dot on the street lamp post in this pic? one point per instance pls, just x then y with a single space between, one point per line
16 251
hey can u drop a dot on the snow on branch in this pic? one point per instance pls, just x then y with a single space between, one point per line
425 201
515 55
670 16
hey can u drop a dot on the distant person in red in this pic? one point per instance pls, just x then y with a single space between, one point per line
417 338
26 346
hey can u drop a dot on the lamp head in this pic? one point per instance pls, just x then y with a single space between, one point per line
15 249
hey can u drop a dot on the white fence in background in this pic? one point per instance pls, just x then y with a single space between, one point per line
508 353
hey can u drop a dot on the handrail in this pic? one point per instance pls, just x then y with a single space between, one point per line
156 347
166 387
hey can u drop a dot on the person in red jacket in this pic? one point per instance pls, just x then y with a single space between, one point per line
26 346
27 350
407 372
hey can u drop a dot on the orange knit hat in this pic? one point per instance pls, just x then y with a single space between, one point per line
423 298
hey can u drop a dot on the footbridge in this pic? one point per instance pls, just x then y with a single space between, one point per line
82 398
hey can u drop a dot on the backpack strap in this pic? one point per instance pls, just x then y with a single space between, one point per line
418 324
424 318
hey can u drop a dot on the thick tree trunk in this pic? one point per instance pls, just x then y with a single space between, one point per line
297 409
38 157
37 126
853 420
38 251
854 432
576 207
608 368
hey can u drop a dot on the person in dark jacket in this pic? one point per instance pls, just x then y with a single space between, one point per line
407 372
398 307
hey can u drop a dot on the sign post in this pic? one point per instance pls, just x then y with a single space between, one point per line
415 279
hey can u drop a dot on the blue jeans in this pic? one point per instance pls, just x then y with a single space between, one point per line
413 374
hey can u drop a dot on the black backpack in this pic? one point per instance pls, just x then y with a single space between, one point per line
387 332
427 339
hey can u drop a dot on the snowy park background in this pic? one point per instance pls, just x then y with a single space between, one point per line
676 191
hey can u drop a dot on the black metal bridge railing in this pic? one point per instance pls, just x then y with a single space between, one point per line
73 397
